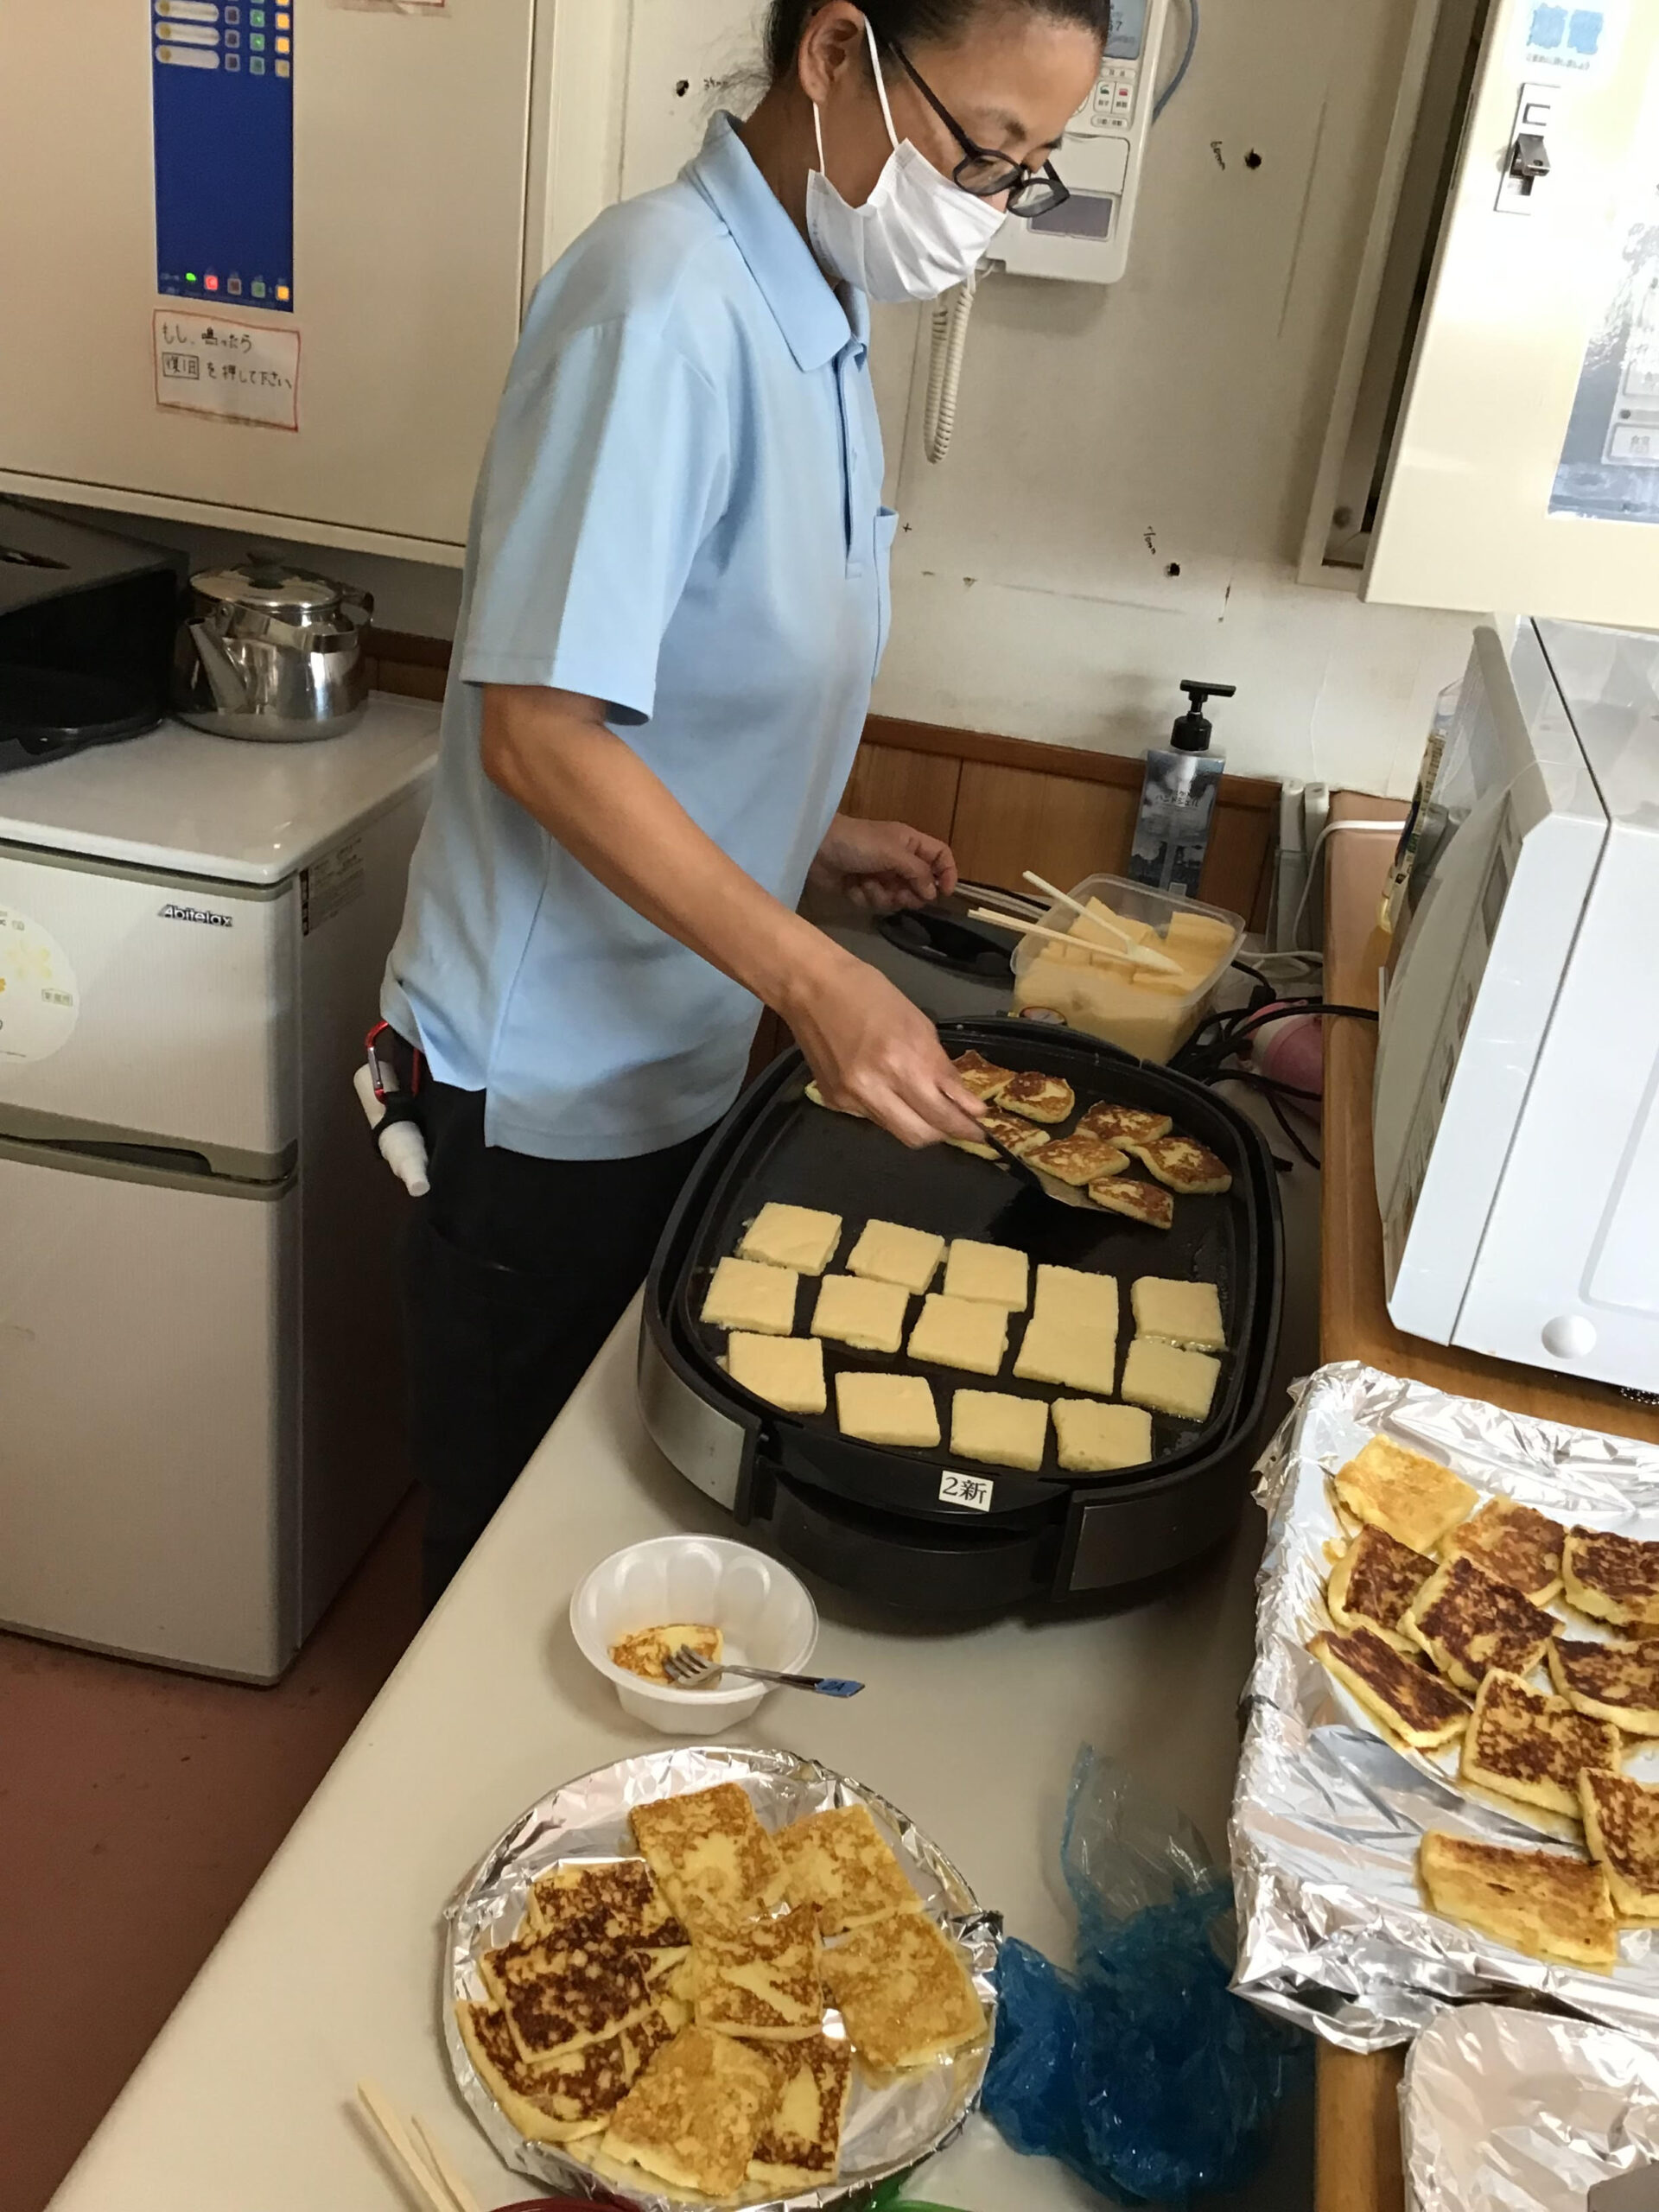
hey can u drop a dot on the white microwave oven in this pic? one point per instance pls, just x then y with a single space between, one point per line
1517 1073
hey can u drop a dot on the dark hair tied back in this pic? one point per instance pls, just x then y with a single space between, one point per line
914 23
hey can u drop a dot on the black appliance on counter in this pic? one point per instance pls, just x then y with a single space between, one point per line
86 623
872 1520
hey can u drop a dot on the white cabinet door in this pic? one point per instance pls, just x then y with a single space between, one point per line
410 141
148 1492
1517 480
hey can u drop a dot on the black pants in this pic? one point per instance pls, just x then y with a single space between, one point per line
518 1270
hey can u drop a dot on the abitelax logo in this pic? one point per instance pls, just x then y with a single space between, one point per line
174 912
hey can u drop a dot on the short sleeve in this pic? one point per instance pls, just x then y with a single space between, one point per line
607 468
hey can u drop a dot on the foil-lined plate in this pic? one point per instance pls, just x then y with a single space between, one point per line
1328 1815
1509 2111
891 2125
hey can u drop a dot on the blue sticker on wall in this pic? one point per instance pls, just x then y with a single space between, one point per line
1576 40
222 94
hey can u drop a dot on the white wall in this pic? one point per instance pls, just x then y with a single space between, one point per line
1173 418
1105 436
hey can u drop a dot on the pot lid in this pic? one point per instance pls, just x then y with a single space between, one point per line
271 586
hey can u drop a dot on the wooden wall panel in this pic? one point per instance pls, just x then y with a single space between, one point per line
1009 819
890 784
1004 803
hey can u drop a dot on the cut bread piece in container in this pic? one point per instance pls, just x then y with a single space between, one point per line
697 2113
1610 1681
1373 1584
1468 1622
1170 1380
786 1371
1519 1546
1185 1313
1524 1745
1611 1577
1091 1439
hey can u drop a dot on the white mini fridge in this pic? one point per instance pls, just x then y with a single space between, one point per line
200 1394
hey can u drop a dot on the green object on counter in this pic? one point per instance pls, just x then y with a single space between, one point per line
890 2197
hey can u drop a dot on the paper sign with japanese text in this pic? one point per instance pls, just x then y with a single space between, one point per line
240 372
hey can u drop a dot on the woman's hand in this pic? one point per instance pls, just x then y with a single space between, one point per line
883 866
874 1053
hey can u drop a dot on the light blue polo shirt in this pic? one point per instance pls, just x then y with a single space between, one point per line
679 514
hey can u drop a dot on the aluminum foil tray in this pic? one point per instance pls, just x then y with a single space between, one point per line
1328 1814
891 2127
1506 2111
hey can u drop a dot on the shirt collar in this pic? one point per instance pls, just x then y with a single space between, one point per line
813 319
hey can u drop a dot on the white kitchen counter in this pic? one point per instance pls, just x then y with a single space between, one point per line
329 1972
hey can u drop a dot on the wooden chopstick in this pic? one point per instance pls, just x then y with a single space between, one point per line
379 2109
1143 955
1036 929
444 2165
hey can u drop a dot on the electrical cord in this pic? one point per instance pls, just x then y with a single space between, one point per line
1312 884
1184 63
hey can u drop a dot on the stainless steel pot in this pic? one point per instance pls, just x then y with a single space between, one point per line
269 652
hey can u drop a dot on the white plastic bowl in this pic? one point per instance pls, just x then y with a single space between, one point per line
766 1617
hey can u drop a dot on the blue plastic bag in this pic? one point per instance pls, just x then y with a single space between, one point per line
1141 2071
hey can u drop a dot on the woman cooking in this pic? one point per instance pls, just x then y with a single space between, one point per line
675 601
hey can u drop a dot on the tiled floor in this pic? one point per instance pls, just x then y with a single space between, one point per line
137 1808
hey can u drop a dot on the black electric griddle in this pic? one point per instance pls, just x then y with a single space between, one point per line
880 1521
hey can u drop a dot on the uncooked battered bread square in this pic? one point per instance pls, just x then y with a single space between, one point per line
1079 1357
1077 1296
870 1316
786 1371
800 2146
962 1332
995 1274
714 1860
696 2113
892 1253
1170 1380
561 1992
760 1979
1093 1439
800 1237
993 1425
904 1992
838 1861
1185 1314
892 1409
744 1294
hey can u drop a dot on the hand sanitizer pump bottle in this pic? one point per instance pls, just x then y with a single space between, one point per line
1178 800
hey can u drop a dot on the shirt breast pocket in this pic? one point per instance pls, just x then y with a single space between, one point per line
887 529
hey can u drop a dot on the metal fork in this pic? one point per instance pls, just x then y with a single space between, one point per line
688 1669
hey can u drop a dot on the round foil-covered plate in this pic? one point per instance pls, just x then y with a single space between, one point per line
892 2124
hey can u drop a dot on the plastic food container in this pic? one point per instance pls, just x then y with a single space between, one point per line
766 1617
1145 1011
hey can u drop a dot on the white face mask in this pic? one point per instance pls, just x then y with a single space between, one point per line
916 235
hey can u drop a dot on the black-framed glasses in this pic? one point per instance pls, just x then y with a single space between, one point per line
982 171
